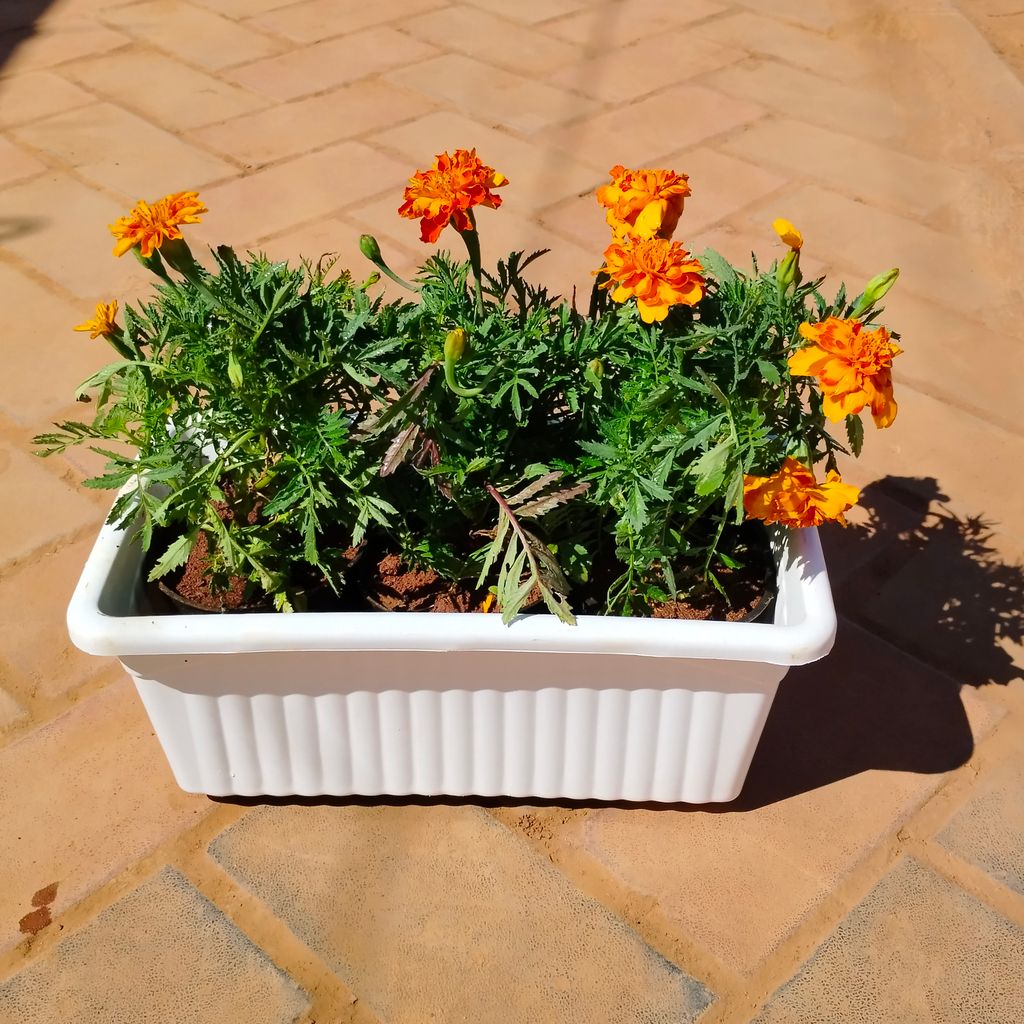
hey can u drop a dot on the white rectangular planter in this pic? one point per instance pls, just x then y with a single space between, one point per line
377 703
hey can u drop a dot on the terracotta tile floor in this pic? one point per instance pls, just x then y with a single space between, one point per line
871 870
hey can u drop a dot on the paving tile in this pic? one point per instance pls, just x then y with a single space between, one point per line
37 219
494 95
54 45
530 11
915 951
288 194
37 94
866 239
39 332
163 89
117 969
988 831
629 73
40 510
124 152
16 163
42 658
241 9
601 25
199 36
636 135
332 63
824 17
493 39
720 186
537 174
289 129
830 57
11 712
858 110
100 754
424 886
852 746
316 20
864 170
935 449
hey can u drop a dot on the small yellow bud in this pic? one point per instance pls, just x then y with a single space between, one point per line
596 367
455 345
789 234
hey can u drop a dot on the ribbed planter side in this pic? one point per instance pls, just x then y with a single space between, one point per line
580 743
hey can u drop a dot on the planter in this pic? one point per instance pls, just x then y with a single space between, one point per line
344 703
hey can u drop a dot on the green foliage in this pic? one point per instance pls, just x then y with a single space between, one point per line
236 418
549 454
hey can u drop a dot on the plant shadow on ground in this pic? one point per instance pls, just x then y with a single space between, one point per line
19 23
926 604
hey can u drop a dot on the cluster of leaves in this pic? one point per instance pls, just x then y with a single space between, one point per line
486 429
235 419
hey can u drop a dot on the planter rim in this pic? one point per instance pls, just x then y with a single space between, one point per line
103 619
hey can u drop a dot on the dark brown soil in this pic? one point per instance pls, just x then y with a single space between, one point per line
746 589
394 585
196 586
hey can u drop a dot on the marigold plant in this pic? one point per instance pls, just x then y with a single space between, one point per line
518 448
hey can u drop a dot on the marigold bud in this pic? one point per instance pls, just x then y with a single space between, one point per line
370 249
876 289
788 272
596 367
455 345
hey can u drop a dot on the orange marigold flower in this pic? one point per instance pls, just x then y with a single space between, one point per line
645 203
103 323
853 366
657 272
148 226
445 193
793 497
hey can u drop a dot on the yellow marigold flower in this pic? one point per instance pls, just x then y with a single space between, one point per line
103 323
793 497
443 194
853 366
148 226
655 271
789 234
645 203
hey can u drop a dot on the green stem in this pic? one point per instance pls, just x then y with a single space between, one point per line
453 384
472 240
